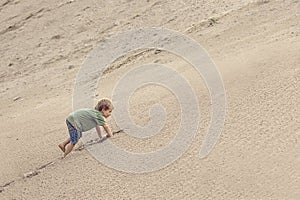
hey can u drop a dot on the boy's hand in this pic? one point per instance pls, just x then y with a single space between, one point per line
99 131
108 131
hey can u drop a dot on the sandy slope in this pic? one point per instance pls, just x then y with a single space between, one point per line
256 48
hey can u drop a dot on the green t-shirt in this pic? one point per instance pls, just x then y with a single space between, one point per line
86 119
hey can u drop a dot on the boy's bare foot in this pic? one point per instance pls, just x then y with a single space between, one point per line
62 148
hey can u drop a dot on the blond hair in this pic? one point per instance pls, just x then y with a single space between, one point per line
105 104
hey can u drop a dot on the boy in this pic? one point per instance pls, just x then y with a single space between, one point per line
85 119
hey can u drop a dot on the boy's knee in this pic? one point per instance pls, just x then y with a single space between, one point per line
72 145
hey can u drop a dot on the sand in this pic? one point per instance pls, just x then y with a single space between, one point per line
254 44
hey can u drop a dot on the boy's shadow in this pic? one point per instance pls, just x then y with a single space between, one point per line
98 140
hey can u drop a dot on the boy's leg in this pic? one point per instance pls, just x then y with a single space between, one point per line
63 145
69 148
71 143
74 137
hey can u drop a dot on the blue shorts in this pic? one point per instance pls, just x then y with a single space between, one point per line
75 135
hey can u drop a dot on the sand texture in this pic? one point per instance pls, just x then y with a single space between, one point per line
254 44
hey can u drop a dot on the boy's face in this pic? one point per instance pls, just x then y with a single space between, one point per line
106 113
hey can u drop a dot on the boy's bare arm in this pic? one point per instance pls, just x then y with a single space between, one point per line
108 131
98 129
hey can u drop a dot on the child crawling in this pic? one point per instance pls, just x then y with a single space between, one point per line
85 119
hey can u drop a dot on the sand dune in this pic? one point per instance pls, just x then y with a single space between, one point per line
254 44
